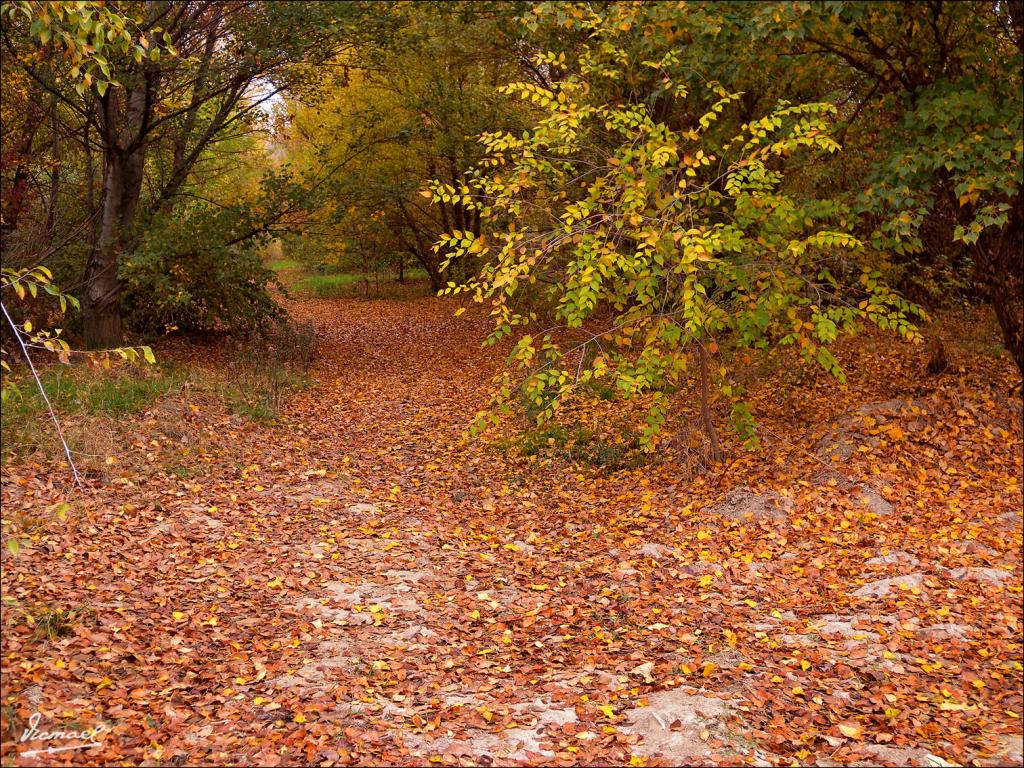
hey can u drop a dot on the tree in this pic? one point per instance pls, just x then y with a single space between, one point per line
931 98
666 246
397 113
178 78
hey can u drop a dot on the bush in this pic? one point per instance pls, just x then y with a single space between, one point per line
185 274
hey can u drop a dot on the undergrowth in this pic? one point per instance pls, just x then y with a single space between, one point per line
78 391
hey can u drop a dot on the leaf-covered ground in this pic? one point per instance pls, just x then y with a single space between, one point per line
358 584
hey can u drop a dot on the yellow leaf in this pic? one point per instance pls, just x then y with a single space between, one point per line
178 615
851 730
608 711
299 718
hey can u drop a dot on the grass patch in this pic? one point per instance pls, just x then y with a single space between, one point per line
332 286
54 623
77 390
257 394
550 435
282 265
124 395
324 283
273 363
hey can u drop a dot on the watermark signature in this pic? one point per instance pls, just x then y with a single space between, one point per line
33 733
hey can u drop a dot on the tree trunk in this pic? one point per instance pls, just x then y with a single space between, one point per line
51 209
90 188
1001 261
101 309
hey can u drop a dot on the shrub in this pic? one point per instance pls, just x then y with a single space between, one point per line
199 270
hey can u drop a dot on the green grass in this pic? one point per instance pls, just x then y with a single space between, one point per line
120 396
75 390
280 265
416 273
330 286
331 282
337 285
80 390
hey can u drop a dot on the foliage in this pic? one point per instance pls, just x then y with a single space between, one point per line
394 115
932 121
200 268
944 83
671 245
89 34
170 128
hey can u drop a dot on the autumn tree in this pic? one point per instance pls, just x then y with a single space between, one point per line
393 114
929 99
664 245
176 80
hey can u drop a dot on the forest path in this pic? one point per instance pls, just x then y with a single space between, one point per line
358 583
